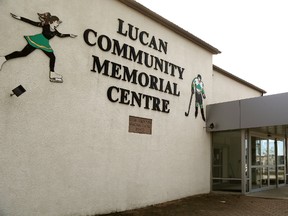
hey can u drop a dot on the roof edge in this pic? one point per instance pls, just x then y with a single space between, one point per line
161 20
225 73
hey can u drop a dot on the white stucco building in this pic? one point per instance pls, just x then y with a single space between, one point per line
114 135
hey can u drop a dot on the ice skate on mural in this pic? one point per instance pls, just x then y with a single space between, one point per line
2 61
55 77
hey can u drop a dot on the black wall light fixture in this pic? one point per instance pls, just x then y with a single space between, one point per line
211 126
18 91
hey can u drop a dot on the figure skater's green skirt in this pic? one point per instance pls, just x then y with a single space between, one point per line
39 42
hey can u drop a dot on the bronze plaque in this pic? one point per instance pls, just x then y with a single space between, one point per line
140 125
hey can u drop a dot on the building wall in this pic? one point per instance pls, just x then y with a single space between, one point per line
226 89
65 147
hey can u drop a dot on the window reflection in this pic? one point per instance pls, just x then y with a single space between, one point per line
226 169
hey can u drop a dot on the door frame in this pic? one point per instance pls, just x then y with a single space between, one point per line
268 166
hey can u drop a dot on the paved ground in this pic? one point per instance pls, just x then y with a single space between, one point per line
215 204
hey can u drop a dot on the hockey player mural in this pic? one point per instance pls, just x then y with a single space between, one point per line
197 88
40 41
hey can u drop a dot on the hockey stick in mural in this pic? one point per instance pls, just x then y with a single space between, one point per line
187 113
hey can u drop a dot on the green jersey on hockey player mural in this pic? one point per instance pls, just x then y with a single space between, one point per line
197 88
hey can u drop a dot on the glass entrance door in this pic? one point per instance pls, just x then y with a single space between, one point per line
267 163
259 161
272 173
280 162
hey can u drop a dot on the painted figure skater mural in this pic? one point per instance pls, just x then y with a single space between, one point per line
40 41
197 88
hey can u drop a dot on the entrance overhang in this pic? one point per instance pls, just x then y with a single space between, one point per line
265 111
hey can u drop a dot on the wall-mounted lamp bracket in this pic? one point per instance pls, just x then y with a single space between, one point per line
211 126
18 91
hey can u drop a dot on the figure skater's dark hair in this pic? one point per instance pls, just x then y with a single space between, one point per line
47 18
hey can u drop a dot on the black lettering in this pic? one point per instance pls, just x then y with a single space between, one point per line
147 60
165 104
131 32
153 43
86 36
161 84
115 70
159 63
96 63
163 46
168 88
109 93
147 99
117 50
104 43
153 82
124 96
120 28
181 70
156 103
133 56
127 76
132 98
143 79
136 97
172 73
141 38
175 90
